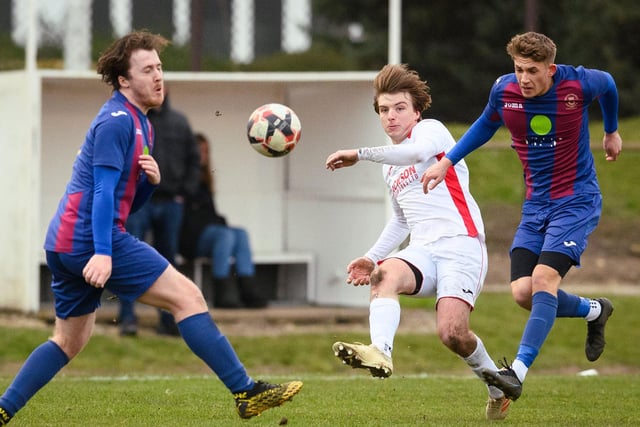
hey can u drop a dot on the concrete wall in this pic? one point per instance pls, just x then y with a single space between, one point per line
19 187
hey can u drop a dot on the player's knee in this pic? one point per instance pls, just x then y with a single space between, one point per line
452 337
522 296
376 277
382 284
193 297
182 299
71 346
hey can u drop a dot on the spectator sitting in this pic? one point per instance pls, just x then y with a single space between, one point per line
205 233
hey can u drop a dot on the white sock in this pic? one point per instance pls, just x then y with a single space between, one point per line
384 319
479 360
595 308
520 369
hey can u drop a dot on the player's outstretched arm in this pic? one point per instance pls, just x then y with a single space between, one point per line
435 174
612 144
359 271
342 159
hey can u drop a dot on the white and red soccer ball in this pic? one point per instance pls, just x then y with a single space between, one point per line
273 130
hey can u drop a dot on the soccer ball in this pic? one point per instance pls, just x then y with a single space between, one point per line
273 130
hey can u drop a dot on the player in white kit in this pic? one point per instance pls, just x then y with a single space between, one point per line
446 256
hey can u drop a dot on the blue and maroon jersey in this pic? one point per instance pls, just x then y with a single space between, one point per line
118 135
550 132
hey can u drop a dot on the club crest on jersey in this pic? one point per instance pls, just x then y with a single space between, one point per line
571 101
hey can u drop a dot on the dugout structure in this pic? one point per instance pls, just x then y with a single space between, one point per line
288 205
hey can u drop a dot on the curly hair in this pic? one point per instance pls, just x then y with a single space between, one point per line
535 46
394 78
114 62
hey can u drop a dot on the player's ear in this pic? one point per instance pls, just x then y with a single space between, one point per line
122 80
552 69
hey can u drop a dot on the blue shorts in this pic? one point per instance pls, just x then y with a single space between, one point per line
561 225
135 267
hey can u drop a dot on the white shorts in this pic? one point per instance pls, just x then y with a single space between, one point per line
451 267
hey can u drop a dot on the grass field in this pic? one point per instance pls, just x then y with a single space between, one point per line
156 381
437 400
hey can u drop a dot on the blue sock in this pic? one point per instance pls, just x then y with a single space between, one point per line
203 338
544 307
39 368
570 305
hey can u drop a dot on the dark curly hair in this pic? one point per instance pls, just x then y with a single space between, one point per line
114 62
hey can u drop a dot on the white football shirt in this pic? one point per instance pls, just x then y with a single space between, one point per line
447 210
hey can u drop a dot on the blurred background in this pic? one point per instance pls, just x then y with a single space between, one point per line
457 45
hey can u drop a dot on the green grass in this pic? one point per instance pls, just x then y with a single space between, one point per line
437 400
156 381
